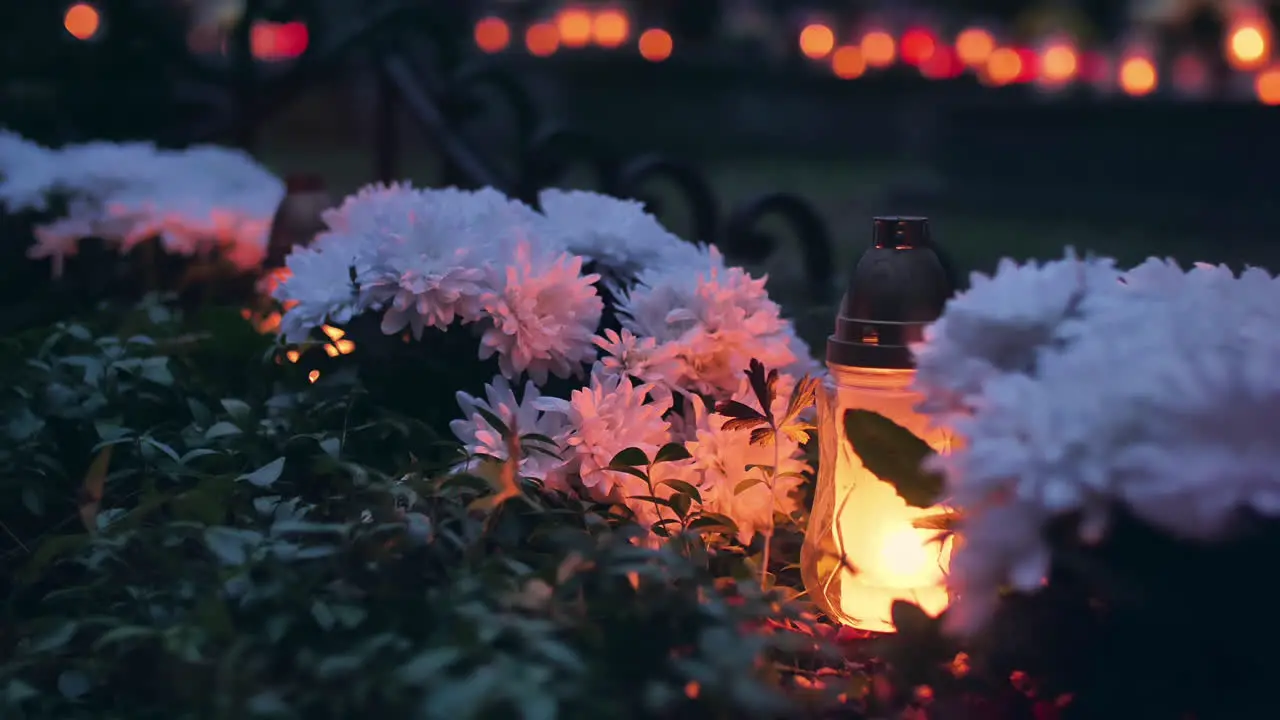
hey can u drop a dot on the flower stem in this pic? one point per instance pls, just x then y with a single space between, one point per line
768 528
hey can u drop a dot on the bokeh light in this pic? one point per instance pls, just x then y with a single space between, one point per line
847 62
878 49
918 46
573 26
610 28
974 46
1138 76
1059 63
943 65
1267 86
542 39
492 34
1248 46
655 45
817 41
1004 66
270 41
82 20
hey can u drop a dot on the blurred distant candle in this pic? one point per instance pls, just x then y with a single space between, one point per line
863 550
1248 40
492 34
879 49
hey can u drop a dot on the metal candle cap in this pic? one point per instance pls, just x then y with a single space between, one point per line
898 287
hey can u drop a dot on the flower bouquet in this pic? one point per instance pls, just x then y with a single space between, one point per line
113 220
1119 484
584 344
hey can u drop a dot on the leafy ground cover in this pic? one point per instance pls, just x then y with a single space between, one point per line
203 533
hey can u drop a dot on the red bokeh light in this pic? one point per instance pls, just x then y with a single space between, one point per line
917 46
1030 65
278 41
943 65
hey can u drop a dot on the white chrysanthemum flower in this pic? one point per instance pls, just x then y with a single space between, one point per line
716 320
1001 324
542 314
628 356
422 256
617 234
198 199
720 460
317 288
429 251
1161 396
605 418
522 417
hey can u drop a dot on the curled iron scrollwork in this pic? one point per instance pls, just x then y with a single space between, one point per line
462 101
744 239
638 172
554 151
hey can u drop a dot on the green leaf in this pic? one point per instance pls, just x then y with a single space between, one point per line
123 634
910 620
220 429
73 684
746 485
56 638
651 499
672 452
266 475
630 457
231 545
632 471
714 522
895 455
323 616
162 447
239 410
494 421
684 488
763 386
427 665
331 446
543 439
681 504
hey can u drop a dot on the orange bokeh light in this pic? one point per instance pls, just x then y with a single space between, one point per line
917 46
878 49
542 39
1248 46
847 62
974 46
1138 76
492 35
655 45
82 20
817 41
574 27
1059 63
1267 86
610 28
1004 66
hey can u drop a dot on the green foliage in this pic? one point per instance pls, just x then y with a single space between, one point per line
195 531
894 454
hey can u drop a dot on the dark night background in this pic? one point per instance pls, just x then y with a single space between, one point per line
1020 169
